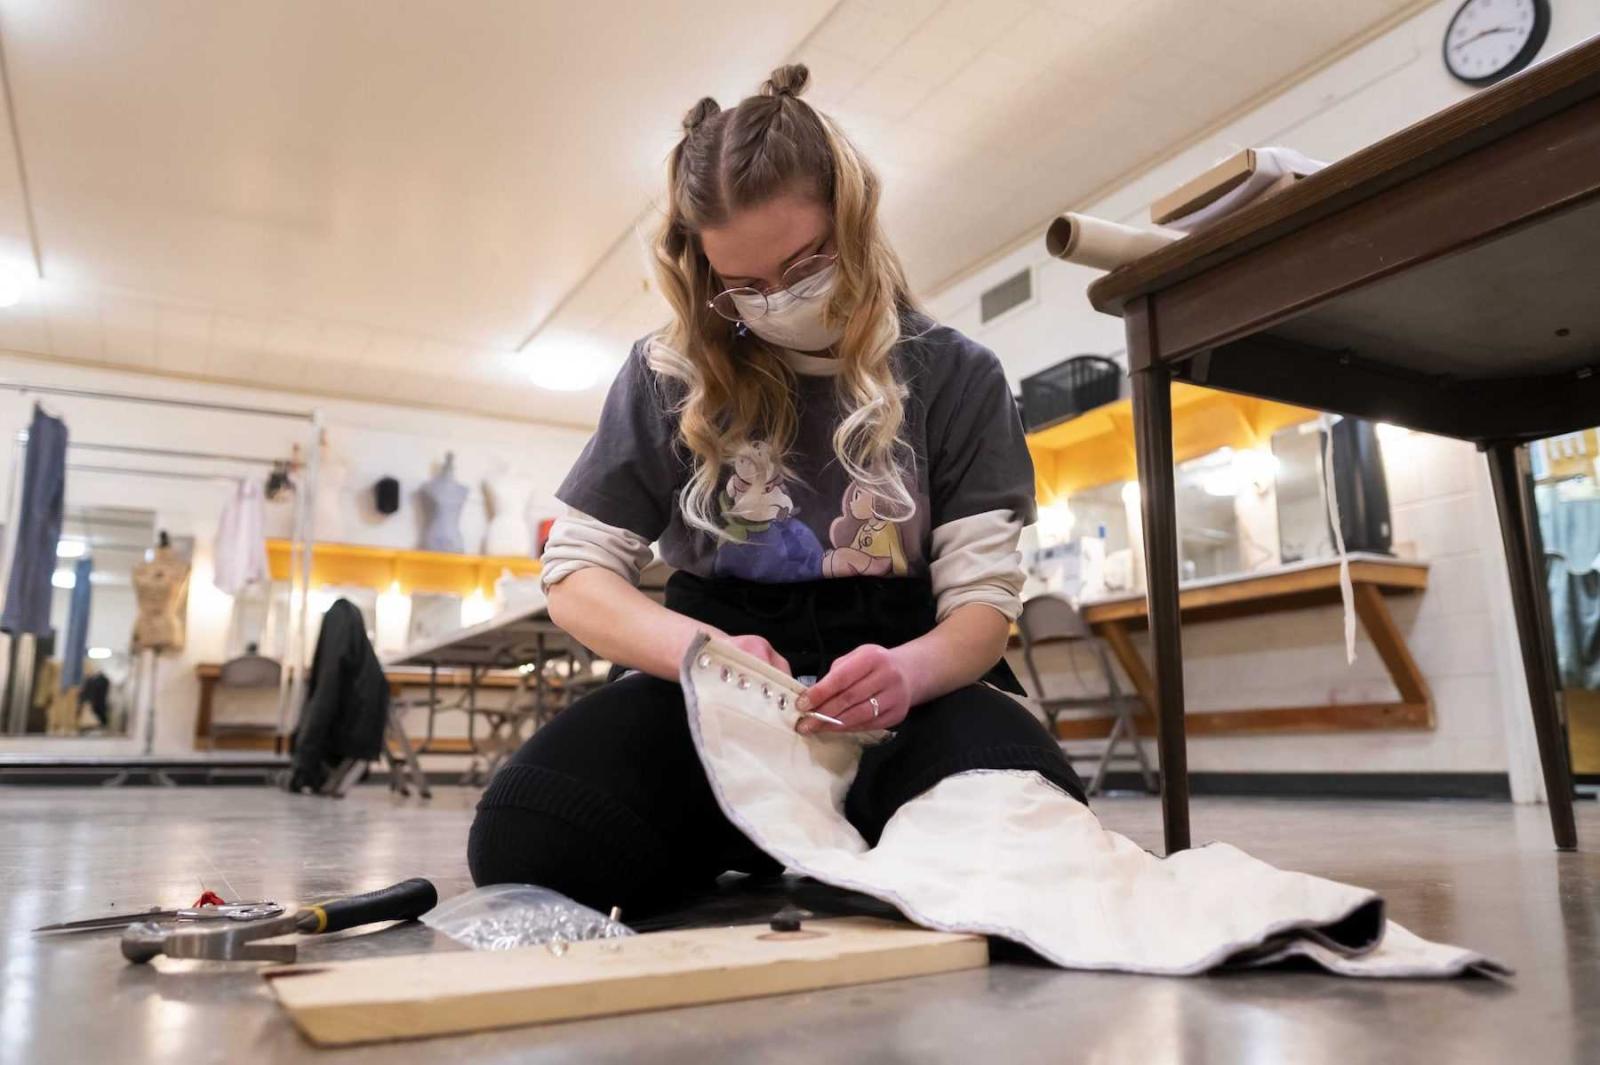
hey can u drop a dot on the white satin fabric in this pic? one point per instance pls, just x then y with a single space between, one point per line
1009 854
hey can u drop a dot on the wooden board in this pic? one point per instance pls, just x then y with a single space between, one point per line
1265 592
1336 717
376 999
1206 189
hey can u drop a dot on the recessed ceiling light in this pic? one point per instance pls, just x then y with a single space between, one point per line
64 578
98 653
71 549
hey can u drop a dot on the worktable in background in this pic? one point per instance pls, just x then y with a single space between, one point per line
1297 586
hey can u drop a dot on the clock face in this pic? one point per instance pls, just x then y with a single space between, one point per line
1492 39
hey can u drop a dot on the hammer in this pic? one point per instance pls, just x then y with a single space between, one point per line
404 901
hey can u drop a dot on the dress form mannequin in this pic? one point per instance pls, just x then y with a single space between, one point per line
161 587
507 532
444 497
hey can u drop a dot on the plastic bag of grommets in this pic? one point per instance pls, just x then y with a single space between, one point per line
504 916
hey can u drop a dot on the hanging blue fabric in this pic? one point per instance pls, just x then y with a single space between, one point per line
77 641
44 482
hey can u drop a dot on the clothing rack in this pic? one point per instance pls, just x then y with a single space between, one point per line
172 453
160 401
172 475
296 631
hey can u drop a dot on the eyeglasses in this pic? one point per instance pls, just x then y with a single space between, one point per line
798 282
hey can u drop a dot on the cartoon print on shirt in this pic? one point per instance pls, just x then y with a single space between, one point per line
765 540
864 544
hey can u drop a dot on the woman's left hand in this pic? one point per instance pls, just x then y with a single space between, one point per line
868 673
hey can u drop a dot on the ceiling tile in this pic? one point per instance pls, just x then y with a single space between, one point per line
833 76
128 324
887 96
237 342
389 349
1044 38
859 32
23 327
183 338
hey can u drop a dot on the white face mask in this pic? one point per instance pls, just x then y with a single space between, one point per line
795 320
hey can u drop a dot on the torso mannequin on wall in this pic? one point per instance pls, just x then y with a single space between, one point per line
507 532
445 497
161 587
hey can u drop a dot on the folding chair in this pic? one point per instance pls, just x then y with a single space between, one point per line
1048 619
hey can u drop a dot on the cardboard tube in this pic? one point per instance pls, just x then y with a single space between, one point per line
1094 242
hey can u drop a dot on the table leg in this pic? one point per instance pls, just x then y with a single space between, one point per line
1152 416
1390 644
1120 640
1508 469
202 722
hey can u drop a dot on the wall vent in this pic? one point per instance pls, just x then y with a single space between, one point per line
1011 293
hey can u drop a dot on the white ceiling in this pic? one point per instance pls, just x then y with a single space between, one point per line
383 199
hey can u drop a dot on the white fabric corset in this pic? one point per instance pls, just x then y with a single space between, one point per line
1007 853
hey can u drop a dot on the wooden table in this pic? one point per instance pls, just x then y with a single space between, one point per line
1294 587
1445 279
400 678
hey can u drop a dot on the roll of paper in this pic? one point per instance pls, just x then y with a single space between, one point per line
1094 242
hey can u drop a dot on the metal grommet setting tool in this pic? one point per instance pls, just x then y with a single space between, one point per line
237 940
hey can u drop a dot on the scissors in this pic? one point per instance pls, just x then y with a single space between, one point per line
226 911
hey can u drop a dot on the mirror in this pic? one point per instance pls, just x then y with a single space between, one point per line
1303 530
1208 528
79 680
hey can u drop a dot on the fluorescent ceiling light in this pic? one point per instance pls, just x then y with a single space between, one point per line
14 284
71 549
563 375
565 362
64 578
99 653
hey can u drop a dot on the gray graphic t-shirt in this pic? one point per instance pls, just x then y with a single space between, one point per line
804 518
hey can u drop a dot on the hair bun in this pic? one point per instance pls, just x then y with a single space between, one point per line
790 80
699 113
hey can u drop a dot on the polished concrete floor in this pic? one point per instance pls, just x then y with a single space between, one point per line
1478 874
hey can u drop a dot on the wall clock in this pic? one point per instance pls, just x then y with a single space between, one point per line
1488 40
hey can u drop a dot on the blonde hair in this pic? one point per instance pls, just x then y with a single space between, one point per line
738 389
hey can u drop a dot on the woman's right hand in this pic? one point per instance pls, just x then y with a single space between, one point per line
616 621
760 648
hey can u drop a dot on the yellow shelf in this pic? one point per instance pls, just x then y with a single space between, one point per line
1097 448
413 571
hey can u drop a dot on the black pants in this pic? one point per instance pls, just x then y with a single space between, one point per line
609 803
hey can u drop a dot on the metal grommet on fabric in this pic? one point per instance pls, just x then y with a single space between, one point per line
726 674
744 682
704 661
783 701
766 691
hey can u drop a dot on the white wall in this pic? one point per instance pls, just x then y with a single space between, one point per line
1458 630
372 440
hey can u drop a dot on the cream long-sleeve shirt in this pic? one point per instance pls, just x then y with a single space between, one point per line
975 559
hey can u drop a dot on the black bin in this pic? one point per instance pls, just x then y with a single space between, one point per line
1069 388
